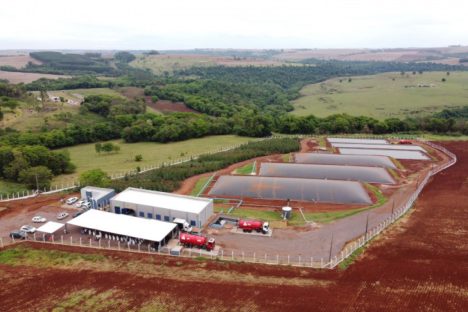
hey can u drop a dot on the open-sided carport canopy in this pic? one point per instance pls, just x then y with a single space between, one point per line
50 227
147 229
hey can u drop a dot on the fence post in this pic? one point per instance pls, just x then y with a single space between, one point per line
288 259
71 240
243 256
90 242
1 242
61 238
311 261
222 252
232 255
254 257
277 259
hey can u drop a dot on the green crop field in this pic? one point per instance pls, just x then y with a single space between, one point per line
85 157
385 95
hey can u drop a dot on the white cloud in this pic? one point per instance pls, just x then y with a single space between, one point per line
140 24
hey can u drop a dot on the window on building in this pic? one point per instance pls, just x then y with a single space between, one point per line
158 217
141 214
150 215
117 210
193 222
166 218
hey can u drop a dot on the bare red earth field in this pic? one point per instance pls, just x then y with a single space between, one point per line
419 264
169 106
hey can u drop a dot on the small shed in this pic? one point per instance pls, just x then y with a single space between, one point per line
98 197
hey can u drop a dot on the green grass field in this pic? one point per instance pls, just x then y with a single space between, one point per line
85 157
11 187
381 97
26 118
199 185
245 170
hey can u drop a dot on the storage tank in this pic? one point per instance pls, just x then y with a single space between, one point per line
286 212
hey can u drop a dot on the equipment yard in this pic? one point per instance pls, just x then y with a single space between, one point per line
420 258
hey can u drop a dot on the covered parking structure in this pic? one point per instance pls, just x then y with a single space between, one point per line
48 229
118 225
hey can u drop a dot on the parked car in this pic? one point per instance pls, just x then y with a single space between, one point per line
79 203
28 229
71 200
39 219
62 215
18 234
86 205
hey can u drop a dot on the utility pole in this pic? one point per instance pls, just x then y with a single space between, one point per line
367 225
331 248
37 183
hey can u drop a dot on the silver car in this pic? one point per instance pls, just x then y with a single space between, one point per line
28 229
62 215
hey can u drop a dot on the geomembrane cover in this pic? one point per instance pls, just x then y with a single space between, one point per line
333 172
323 191
338 159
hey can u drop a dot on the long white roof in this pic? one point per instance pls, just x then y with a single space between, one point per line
50 227
163 200
357 141
148 229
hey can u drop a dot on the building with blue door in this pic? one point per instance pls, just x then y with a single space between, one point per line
163 206
97 196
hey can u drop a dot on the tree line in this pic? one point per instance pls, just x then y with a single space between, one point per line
33 165
169 178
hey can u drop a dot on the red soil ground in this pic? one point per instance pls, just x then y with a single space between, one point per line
164 106
419 264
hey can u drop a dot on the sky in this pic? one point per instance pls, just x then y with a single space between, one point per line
249 24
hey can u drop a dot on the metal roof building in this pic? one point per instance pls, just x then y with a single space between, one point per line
162 206
150 230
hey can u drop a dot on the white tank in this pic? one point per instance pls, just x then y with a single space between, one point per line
286 212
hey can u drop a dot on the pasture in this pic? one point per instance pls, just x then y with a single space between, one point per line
85 157
384 95
159 64
25 117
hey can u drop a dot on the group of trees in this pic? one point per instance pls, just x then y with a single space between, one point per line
107 147
33 165
108 106
222 98
343 123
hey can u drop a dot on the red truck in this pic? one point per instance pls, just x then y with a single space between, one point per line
405 142
190 240
254 225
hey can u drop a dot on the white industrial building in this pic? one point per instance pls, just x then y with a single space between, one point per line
162 206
